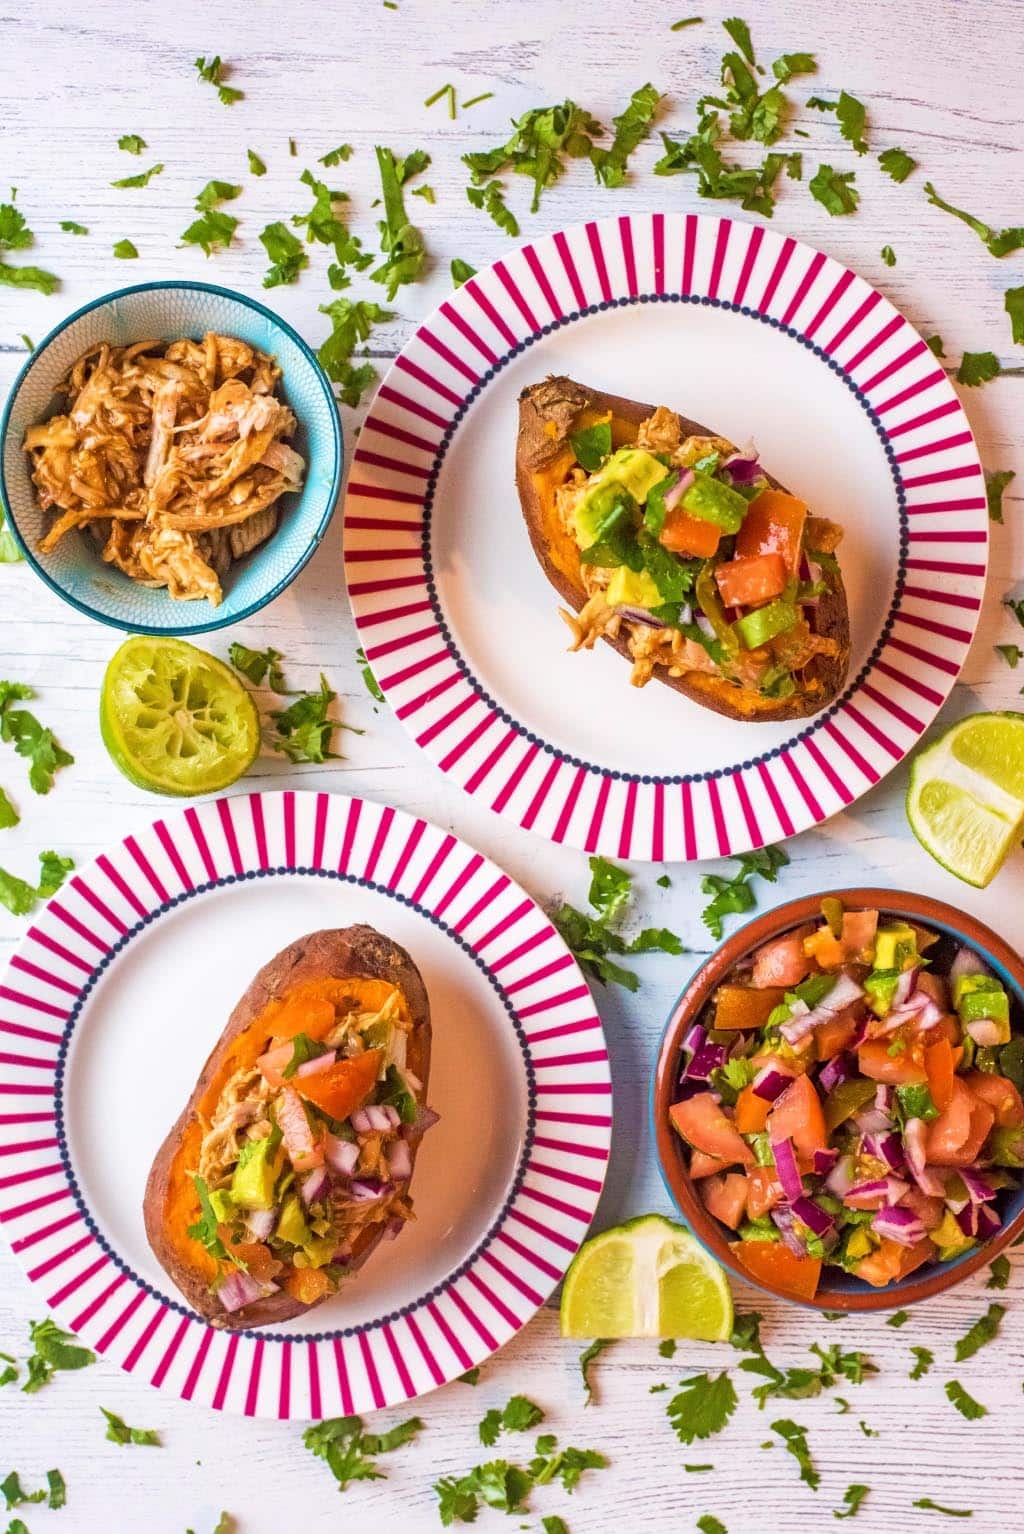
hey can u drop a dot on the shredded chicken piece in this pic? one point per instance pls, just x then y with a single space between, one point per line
660 432
241 1108
184 439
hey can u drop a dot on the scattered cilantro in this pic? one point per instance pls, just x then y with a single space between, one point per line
998 1273
898 1318
400 241
351 322
552 1524
1016 606
697 1469
16 235
518 1415
735 894
476 100
924 1358
448 93
936 1507
664 882
610 888
19 896
29 738
687 21
851 115
888 255
303 730
853 1496
131 143
213 231
795 1439
461 272
349 1452
982 1331
323 226
834 190
593 940
57 1491
491 198
1013 303
631 128
567 1465
70 227
543 139
702 1406
256 166
369 680
1011 653
740 34
471 1376
667 1347
214 192
213 74
9 1375
965 1404
746 1331
977 368
124 250
14 1493
709 1524
896 163
336 156
286 252
790 64
587 1357
996 481
842 1406
426 192
118 1431
54 1350
819 104
204 1230
935 346
258 665
141 178
8 817
498 1484
998 242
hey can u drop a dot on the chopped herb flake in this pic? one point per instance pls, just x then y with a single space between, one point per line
461 272
999 1273
853 1496
702 1406
888 255
965 1404
996 481
936 1507
142 178
213 74
999 242
118 1431
896 163
834 190
982 1331
587 1357
256 165
977 368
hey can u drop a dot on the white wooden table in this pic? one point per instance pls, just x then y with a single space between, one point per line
942 81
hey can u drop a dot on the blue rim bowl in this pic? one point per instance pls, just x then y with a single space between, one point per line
167 311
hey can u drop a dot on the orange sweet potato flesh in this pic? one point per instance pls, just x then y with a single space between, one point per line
555 409
352 962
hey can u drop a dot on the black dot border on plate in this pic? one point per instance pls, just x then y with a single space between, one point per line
225 882
464 670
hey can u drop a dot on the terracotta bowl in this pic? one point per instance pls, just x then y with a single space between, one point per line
839 1290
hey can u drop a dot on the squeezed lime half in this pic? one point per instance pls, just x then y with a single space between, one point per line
965 803
175 719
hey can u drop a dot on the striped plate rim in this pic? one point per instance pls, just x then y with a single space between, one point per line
560 280
90 1286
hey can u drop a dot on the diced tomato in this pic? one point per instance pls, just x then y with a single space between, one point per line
874 1060
749 582
837 1033
307 1285
892 1261
745 1006
783 962
303 1152
751 1112
773 525
705 1166
342 1087
930 1211
947 1027
684 534
274 1062
957 1135
797 1115
859 930
725 1197
934 986
938 1063
258 1258
999 1093
702 1124
775 1266
764 1191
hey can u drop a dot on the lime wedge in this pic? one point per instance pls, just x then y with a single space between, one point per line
176 720
647 1278
965 802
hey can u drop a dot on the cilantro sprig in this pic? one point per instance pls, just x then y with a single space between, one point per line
518 1415
15 234
400 241
735 895
702 1406
17 894
350 1452
982 1331
54 1350
119 1432
594 940
212 71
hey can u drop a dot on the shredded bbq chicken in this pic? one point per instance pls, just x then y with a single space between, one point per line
173 456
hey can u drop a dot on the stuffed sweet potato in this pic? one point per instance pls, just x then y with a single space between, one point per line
292 1157
682 553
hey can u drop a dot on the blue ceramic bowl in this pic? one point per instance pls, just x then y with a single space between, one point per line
838 1290
167 311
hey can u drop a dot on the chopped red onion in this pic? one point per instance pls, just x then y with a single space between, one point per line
823 1161
985 1032
341 1155
240 1289
705 625
979 1189
771 1082
978 1221
812 1215
259 1223
875 1193
360 1121
915 1139
871 1121
310 1067
967 962
782 1218
674 494
693 1038
886 1147
366 1189
377 1117
884 1098
743 468
787 1169
921 1009
707 1058
313 1185
905 987
639 615
842 1176
841 1067
842 995
400 1161
900 1225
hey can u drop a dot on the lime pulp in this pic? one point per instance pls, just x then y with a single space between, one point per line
965 803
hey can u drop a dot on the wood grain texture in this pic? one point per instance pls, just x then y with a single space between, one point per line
941 81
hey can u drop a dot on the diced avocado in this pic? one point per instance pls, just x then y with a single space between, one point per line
223 1206
880 986
319 1250
977 996
949 1238
712 500
896 946
252 1186
291 1226
756 628
859 1243
632 588
630 469
1006 1146
758 1230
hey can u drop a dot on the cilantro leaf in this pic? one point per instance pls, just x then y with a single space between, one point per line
491 198
924 1359
1016 607
14 231
256 165
456 1500
28 277
998 242
369 680
286 252
587 1357
400 241
795 1439
518 1415
834 190
610 888
53 1350
977 368
70 227
351 323
999 1273
888 255
53 870
57 1492
542 139
8 816
1013 303
1011 653
789 64
30 739
471 1376
965 1404
851 115
982 1331
746 1331
552 1524
141 178
687 21
124 250
258 664
214 231
936 1507
217 191
461 272
19 896
131 143
740 34
591 942
702 1406
631 128
996 481
323 226
118 1431
336 156
709 1524
349 1452
735 895
303 729
896 163
384 1443
567 1465
656 940
853 1496
14 1493
213 72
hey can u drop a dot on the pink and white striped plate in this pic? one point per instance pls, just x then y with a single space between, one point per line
116 996
759 337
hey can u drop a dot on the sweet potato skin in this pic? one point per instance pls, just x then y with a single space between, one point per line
338 954
548 413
